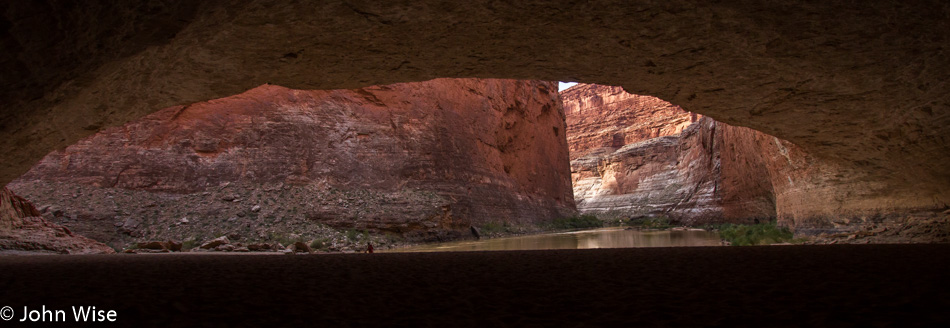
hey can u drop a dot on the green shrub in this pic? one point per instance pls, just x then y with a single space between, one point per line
189 244
319 244
282 239
392 238
754 234
578 222
115 246
659 222
351 235
492 227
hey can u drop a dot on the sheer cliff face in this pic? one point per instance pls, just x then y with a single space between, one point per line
714 172
638 156
421 157
602 116
698 176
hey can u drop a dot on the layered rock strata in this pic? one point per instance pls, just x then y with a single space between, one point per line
714 172
424 160
638 156
23 231
602 116
687 177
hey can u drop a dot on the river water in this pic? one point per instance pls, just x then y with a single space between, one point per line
615 237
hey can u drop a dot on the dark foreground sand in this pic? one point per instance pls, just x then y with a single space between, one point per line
777 286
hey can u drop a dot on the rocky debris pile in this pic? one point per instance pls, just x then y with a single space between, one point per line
265 247
155 247
220 244
285 211
38 235
923 227
24 231
224 244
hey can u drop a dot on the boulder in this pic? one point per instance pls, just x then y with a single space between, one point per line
301 247
151 245
214 243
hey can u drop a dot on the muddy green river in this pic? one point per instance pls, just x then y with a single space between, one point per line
615 237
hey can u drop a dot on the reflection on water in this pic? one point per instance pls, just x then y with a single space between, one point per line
599 238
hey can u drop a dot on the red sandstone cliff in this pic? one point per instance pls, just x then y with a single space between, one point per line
602 116
426 159
694 177
692 171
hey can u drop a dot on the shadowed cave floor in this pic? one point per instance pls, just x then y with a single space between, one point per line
774 286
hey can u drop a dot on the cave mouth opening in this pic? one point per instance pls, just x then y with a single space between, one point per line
186 154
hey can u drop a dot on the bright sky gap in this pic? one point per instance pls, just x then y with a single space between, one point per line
564 85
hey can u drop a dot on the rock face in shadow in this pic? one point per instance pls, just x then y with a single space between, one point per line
714 172
23 231
425 160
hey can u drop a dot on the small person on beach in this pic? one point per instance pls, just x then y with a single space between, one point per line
369 248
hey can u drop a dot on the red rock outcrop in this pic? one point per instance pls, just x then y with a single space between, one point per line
427 158
13 208
23 230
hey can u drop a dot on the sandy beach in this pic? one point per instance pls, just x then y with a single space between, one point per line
769 286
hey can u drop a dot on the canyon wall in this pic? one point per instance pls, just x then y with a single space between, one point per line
691 177
423 160
602 116
713 172
637 156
